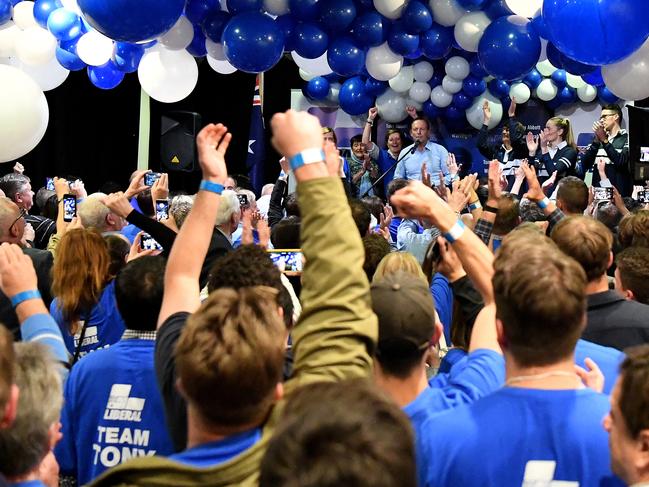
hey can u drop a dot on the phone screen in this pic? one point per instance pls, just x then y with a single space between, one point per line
602 194
147 242
161 209
243 200
49 184
69 207
288 261
643 196
150 178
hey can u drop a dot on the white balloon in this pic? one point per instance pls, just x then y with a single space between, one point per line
587 93
521 92
544 50
215 50
382 63
469 30
8 34
525 8
546 90
475 115
546 68
414 103
440 98
334 91
457 67
167 76
306 76
446 12
392 106
94 48
276 7
419 91
402 81
179 36
72 5
35 46
220 66
451 85
423 71
575 81
392 9
317 67
628 78
24 15
23 113
48 76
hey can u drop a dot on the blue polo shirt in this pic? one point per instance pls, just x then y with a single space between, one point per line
433 155
217 452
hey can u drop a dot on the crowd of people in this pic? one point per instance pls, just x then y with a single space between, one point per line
395 321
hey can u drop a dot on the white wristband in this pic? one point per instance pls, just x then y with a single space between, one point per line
307 156
455 232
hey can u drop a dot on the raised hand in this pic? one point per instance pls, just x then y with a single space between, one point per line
493 180
486 112
246 234
78 189
549 183
449 264
600 133
453 167
425 176
19 168
532 143
61 187
17 272
461 193
534 192
591 377
136 185
294 132
411 111
512 108
160 188
135 252
333 161
212 143
118 203
372 113
385 218
263 230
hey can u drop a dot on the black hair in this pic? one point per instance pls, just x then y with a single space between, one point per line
361 216
285 234
139 287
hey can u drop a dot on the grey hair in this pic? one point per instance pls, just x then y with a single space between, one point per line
93 212
228 207
180 207
26 442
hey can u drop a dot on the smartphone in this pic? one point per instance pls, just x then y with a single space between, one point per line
49 184
161 209
150 178
602 194
243 200
147 242
643 196
288 261
69 207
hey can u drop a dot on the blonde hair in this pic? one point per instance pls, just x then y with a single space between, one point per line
565 125
399 261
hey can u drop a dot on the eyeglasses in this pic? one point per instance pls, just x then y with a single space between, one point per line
23 212
604 115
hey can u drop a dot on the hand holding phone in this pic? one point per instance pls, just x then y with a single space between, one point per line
147 242
150 178
69 207
602 194
161 210
289 261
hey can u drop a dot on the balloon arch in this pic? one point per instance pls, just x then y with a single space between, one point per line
444 57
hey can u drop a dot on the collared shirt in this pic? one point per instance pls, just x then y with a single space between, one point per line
483 229
229 237
434 156
553 150
138 335
410 240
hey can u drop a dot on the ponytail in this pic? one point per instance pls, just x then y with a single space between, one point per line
565 125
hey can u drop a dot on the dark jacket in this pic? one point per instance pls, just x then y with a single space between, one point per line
619 170
496 150
616 322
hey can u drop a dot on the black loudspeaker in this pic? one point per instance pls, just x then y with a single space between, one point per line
639 143
178 131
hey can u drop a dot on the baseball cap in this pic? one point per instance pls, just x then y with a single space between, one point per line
405 310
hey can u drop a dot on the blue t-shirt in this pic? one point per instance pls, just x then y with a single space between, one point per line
112 411
385 162
130 231
28 483
394 227
608 360
443 296
105 325
217 452
517 437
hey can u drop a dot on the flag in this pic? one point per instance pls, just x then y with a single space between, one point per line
256 145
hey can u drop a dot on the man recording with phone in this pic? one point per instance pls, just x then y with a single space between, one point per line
611 143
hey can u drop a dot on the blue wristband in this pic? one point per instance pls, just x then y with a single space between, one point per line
211 187
455 232
543 204
475 206
24 296
307 156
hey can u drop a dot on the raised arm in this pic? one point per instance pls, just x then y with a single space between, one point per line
182 290
367 130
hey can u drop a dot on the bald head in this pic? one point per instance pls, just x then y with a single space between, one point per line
9 213
95 214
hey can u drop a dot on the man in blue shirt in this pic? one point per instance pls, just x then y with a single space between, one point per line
113 410
543 425
423 151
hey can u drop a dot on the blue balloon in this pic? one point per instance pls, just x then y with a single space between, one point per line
496 9
287 24
431 111
68 57
417 17
499 88
554 56
453 112
64 24
344 57
554 103
438 77
106 76
14 2
126 56
400 41
197 47
605 95
310 40
436 42
416 54
509 48
337 15
471 4
533 79
560 78
238 6
567 95
304 10
476 68
462 100
374 87
538 24
575 67
584 30
370 29
595 78
214 23
353 98
317 88
474 86
132 20
197 11
253 42
6 11
43 9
